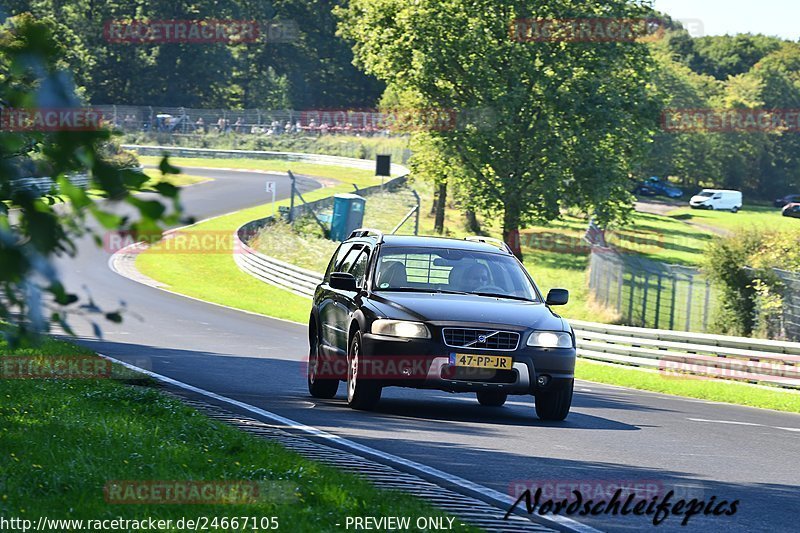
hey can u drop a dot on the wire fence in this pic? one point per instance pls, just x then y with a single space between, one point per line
778 319
651 294
791 303
191 121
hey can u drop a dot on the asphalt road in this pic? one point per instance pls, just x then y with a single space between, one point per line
612 436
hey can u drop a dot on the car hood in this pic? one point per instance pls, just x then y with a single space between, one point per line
444 309
700 198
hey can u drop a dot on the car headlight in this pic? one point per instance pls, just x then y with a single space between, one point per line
401 328
550 339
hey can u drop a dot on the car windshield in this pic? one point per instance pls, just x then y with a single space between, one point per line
706 193
452 271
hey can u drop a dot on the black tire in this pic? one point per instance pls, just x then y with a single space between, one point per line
491 398
362 394
319 388
735 210
554 404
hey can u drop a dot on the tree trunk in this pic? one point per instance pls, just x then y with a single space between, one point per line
473 226
511 229
441 205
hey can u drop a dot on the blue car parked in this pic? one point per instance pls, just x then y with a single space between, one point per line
657 187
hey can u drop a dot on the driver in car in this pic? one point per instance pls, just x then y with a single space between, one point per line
477 277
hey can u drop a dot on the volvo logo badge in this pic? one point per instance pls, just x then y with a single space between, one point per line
481 338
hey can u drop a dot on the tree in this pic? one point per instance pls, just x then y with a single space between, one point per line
31 61
567 120
692 156
314 70
722 56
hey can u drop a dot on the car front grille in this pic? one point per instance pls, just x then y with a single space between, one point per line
481 339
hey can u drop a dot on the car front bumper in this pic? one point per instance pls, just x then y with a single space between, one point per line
556 366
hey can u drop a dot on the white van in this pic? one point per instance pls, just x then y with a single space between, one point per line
717 200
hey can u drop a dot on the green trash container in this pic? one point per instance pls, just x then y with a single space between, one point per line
348 215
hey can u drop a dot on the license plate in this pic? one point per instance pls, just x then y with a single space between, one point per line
496 362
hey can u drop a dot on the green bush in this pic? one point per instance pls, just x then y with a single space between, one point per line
743 266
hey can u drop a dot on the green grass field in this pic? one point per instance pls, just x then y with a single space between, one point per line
361 178
691 387
62 441
751 216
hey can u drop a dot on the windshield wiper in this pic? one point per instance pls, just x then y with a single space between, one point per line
448 291
508 296
416 289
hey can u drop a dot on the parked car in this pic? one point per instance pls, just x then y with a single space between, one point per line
789 199
436 313
716 199
657 187
791 210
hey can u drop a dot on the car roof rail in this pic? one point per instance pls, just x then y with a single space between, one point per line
367 232
490 240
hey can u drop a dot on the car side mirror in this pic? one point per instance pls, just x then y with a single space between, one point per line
557 297
343 281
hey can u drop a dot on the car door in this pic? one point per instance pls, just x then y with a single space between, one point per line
352 301
342 305
327 301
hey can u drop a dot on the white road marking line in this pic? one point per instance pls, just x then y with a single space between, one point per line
735 423
499 499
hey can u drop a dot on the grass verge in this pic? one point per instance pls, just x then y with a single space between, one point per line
751 216
697 387
179 180
359 177
63 440
215 277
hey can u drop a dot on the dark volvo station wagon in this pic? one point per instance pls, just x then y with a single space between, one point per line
436 313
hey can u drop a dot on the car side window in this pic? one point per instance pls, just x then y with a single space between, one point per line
337 258
349 260
359 268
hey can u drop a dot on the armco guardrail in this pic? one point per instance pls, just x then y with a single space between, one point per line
284 275
177 151
42 185
675 353
670 352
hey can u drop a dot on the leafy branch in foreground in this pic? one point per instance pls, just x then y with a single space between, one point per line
38 226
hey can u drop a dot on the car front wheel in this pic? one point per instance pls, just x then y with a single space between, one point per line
554 404
363 393
319 388
492 398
